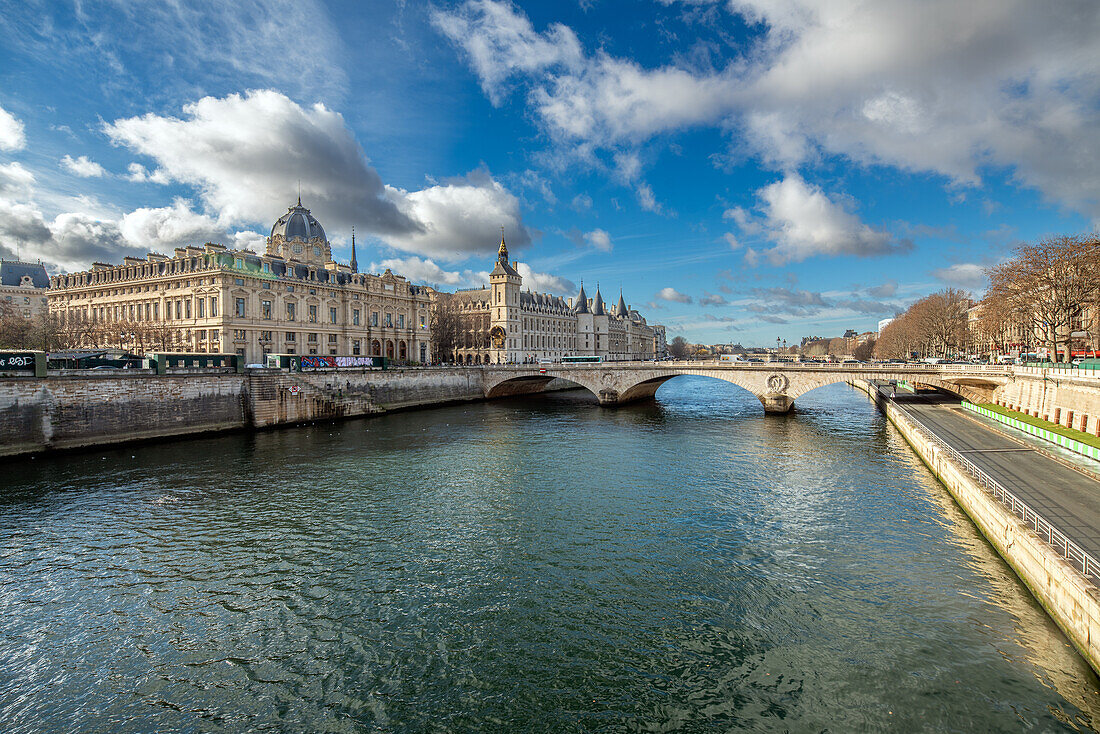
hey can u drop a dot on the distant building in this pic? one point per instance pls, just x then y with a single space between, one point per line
293 299
23 287
504 324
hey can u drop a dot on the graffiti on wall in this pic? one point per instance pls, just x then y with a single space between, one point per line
320 362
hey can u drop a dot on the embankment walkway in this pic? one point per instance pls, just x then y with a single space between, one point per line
1067 499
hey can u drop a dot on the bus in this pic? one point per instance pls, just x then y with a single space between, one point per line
581 360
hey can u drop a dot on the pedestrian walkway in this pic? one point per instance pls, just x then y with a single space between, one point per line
1065 498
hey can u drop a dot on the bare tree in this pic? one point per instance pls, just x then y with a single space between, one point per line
678 347
1050 283
864 351
446 327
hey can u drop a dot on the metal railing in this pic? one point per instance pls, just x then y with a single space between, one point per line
1083 561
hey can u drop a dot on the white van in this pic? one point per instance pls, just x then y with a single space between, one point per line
545 360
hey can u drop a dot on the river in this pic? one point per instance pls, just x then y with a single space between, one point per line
536 564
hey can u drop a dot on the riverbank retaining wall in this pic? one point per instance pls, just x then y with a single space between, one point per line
1070 599
81 408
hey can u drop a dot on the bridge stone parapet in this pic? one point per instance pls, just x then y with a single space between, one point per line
778 384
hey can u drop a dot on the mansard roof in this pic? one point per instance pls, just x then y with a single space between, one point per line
12 273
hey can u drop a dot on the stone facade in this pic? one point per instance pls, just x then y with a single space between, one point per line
503 324
293 299
23 287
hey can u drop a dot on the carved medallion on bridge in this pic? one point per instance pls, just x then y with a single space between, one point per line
777 383
608 379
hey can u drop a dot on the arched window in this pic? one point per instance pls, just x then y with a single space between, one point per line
375 348
389 348
402 350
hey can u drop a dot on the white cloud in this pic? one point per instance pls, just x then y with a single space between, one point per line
731 240
165 228
599 239
420 270
969 276
544 282
82 167
14 178
712 299
923 85
500 42
12 135
673 295
139 174
458 219
246 154
646 198
803 222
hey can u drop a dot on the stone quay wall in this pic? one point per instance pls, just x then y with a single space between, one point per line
74 409
1071 599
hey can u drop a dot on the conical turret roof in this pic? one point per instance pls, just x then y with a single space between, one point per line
597 307
620 308
582 301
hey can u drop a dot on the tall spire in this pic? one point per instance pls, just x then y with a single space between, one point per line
621 306
502 252
299 192
354 264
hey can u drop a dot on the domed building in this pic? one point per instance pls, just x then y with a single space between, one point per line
292 299
297 235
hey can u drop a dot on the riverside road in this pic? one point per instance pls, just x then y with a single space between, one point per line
1067 499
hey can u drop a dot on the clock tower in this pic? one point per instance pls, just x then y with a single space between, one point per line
504 285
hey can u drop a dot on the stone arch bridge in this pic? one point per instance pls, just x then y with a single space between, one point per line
775 384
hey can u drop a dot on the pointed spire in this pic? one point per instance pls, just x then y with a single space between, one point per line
582 301
299 192
502 251
354 264
597 306
620 307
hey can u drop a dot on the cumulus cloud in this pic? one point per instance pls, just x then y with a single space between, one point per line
731 240
712 299
245 154
545 282
82 167
1012 85
12 135
803 222
885 290
500 42
165 228
672 295
599 239
458 219
420 270
139 174
969 276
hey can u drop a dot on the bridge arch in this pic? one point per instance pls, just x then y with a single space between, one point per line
776 387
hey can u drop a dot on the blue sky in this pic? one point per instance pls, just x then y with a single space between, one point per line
743 170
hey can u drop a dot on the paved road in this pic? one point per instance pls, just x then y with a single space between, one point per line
1067 499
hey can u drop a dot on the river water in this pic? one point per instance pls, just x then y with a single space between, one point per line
523 565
